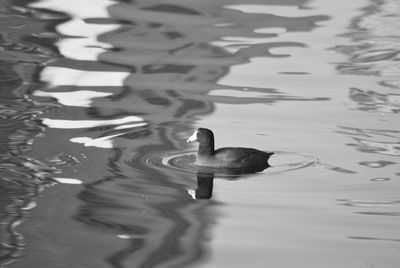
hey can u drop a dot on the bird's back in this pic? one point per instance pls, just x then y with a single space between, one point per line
239 157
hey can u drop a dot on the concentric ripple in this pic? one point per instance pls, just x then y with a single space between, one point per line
185 161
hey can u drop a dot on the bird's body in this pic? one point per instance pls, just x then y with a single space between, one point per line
247 159
233 157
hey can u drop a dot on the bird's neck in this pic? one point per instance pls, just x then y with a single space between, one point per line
206 148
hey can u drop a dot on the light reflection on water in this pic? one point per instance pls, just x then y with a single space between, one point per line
282 76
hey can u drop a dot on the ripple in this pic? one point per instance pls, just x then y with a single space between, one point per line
370 203
374 238
380 179
376 164
185 162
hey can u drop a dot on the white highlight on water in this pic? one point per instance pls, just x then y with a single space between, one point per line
61 76
74 124
68 180
80 98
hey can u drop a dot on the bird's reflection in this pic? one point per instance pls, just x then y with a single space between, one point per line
205 183
205 180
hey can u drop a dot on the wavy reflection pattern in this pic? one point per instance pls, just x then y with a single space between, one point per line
21 177
174 65
158 60
374 52
376 34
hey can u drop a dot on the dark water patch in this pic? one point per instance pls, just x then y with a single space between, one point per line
173 9
295 73
370 203
379 213
374 238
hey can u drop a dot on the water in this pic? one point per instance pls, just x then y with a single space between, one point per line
99 97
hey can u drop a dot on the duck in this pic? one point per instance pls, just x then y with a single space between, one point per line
247 160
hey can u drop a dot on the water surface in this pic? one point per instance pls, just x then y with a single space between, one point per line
99 97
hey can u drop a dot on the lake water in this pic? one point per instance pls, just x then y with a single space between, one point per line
98 98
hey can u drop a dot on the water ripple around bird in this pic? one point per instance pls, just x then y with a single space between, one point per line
185 161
